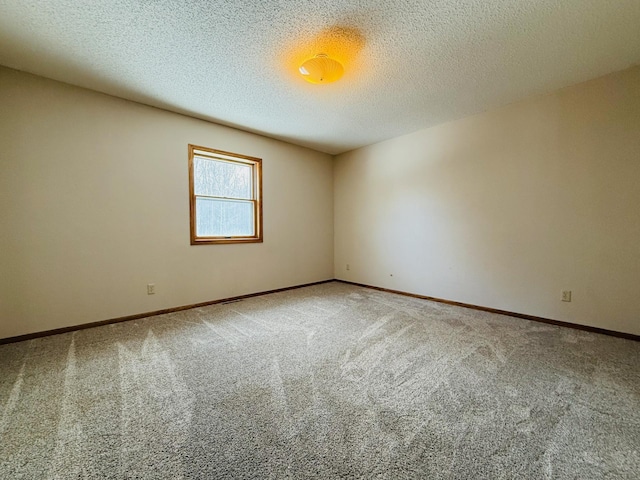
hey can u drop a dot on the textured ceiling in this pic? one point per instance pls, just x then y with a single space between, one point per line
408 64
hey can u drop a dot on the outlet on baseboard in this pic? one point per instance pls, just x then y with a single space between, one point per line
151 288
566 295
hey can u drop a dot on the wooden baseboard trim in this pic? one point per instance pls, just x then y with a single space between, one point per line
576 326
46 333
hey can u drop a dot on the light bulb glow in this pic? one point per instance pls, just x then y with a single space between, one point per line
321 69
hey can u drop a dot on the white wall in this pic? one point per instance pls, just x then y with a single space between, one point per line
506 209
94 205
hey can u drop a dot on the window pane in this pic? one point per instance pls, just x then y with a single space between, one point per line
221 179
223 218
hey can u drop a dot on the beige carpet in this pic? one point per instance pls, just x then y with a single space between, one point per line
330 381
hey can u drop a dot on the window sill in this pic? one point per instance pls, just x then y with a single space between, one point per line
224 240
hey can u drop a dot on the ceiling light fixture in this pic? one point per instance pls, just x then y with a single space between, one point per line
321 69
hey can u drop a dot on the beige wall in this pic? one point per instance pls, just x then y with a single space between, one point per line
94 205
503 209
506 209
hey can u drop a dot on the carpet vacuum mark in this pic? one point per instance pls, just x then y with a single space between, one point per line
327 381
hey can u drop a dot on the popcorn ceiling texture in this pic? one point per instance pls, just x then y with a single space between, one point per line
409 64
331 381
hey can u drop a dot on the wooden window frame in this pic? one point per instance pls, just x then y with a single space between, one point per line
256 167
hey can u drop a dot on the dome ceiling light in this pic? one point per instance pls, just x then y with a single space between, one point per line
321 69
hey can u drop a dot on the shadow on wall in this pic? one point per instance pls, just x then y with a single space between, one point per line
434 202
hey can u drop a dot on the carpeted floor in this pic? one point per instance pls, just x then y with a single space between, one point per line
330 381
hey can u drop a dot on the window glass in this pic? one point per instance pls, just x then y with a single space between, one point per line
225 197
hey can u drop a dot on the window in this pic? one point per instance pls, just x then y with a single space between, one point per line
225 193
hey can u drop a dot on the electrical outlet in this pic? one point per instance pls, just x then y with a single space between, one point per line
348 267
566 295
151 288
